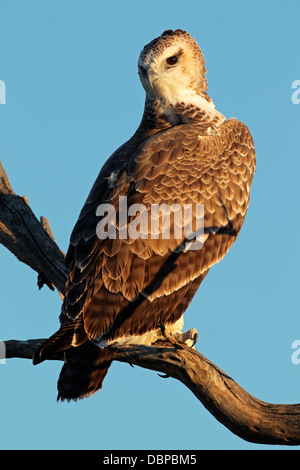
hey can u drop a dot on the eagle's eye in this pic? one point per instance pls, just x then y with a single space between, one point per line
172 60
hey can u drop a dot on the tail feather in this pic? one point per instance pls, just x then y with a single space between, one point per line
83 372
85 366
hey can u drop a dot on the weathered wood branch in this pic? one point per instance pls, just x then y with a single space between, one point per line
246 416
29 239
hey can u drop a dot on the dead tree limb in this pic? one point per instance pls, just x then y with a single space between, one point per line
29 239
246 416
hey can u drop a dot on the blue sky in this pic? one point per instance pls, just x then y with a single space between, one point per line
72 97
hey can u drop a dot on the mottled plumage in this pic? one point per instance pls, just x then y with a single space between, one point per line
184 152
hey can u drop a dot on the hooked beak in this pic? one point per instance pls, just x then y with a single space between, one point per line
147 74
150 73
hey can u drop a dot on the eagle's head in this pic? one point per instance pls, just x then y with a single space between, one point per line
171 67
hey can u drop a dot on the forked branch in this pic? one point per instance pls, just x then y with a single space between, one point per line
249 418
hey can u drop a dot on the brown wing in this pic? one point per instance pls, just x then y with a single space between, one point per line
120 287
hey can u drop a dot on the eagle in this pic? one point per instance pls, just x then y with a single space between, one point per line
133 286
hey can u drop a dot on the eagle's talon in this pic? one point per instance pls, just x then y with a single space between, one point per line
195 340
189 335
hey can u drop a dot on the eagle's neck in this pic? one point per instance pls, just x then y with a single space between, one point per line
197 108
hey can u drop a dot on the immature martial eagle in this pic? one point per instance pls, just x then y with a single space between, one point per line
125 289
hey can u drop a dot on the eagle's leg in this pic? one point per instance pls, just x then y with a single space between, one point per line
168 336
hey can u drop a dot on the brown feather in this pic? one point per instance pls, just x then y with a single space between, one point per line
120 287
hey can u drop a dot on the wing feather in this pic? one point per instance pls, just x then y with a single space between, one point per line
177 166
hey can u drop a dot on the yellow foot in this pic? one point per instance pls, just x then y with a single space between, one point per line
189 337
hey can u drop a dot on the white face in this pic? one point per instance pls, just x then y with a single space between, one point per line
172 70
162 75
173 76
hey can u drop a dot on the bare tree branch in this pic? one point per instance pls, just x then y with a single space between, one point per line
23 235
246 416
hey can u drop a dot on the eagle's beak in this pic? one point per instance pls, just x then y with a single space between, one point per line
150 75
